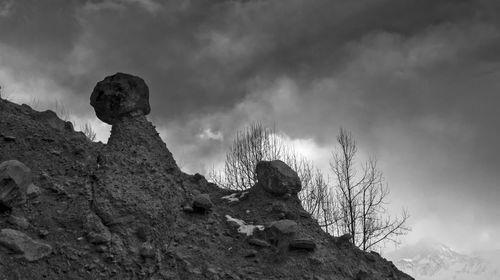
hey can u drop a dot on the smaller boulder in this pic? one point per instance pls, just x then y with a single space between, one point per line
258 242
21 243
284 227
33 191
302 244
147 250
345 238
97 232
187 208
20 222
9 138
250 253
202 202
15 177
277 178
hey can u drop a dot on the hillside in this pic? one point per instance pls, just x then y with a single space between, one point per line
74 209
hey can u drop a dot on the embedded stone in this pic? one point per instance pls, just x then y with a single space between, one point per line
97 232
284 227
258 242
15 177
22 244
202 202
302 244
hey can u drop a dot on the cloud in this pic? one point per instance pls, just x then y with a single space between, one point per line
5 7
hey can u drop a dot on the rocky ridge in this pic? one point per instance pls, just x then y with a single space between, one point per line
124 210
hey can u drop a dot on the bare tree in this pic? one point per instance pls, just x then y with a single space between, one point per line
361 195
251 145
258 142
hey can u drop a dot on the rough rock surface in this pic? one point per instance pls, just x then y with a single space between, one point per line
286 227
15 177
277 178
302 243
133 189
120 95
202 201
21 243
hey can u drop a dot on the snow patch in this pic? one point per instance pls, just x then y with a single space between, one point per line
234 196
243 227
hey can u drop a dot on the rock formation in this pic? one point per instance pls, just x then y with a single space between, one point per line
124 210
119 96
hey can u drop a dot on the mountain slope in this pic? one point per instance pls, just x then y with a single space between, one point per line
124 210
431 260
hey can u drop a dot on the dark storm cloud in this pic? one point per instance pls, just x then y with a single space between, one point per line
416 81
209 50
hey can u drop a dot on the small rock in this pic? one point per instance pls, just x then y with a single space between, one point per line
187 209
277 178
9 138
279 207
362 275
286 227
15 177
51 119
20 222
291 216
33 191
147 250
250 253
370 257
143 233
302 244
43 233
315 260
97 233
258 242
202 202
101 248
21 243
304 214
346 238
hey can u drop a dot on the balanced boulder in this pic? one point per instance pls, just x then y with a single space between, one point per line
120 95
277 178
15 177
24 245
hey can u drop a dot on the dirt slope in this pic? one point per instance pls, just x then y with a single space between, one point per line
124 210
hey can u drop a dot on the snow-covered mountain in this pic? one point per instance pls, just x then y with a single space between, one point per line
431 260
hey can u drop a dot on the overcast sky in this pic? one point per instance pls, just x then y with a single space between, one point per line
417 82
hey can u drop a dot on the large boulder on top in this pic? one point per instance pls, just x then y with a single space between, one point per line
277 178
15 177
120 95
